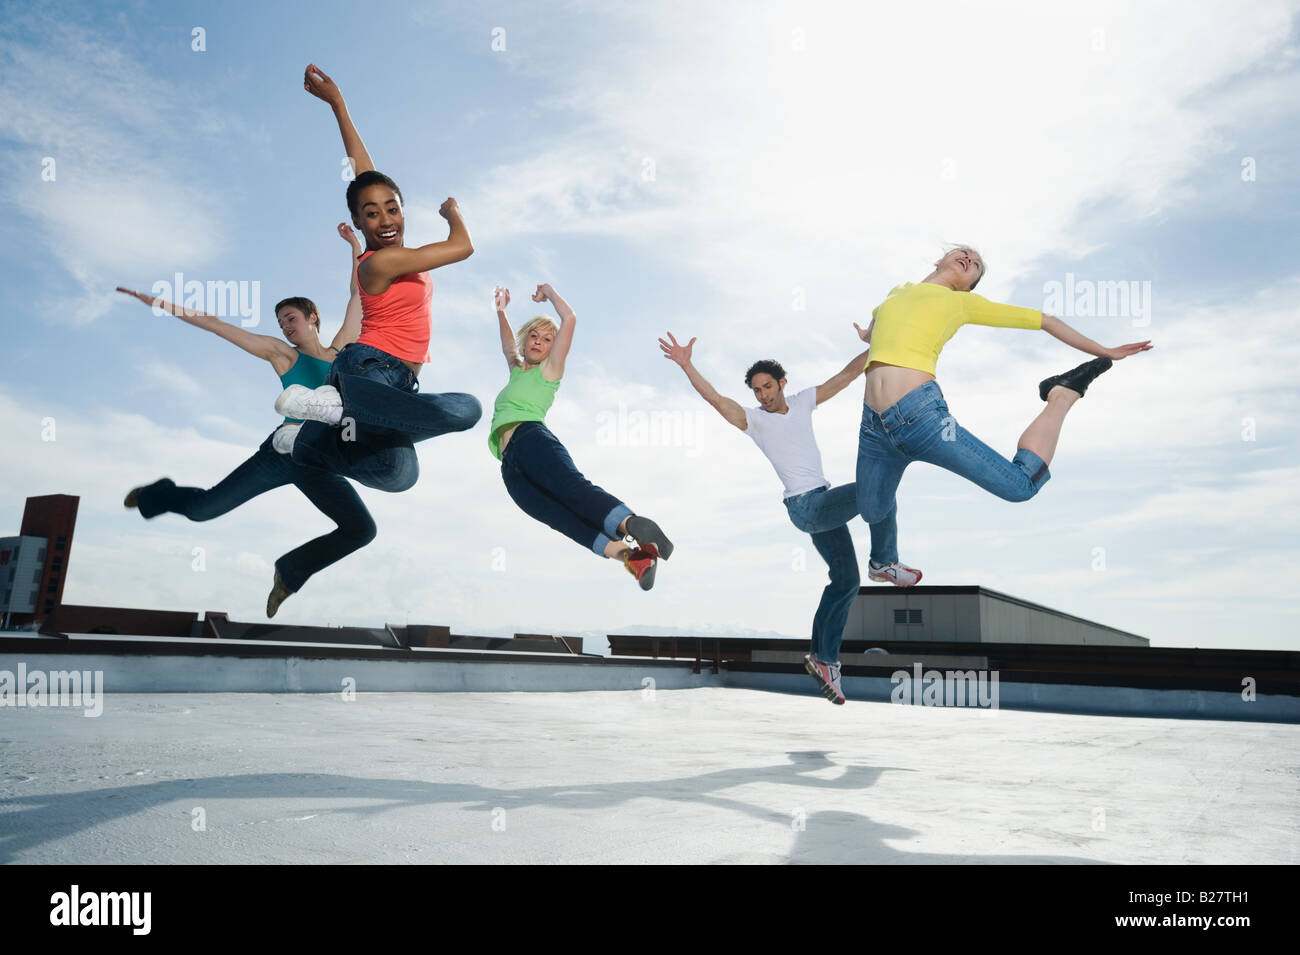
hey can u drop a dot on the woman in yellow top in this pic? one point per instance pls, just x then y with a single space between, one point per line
905 417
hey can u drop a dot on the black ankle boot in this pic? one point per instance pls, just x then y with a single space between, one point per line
1076 379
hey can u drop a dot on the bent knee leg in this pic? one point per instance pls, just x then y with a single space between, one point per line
873 509
1027 479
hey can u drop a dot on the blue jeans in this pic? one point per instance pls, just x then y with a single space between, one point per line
383 415
920 428
268 469
825 515
542 479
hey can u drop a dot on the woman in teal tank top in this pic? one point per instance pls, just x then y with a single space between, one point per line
302 360
539 474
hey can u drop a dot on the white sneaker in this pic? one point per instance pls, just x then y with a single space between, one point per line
323 404
894 573
284 437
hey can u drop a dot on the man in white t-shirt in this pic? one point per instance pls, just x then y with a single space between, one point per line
783 431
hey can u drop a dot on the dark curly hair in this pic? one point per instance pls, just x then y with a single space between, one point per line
766 366
369 178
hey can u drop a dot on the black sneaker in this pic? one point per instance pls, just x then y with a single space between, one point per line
647 533
278 595
1076 379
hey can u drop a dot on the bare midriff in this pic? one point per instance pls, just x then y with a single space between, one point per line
506 432
886 384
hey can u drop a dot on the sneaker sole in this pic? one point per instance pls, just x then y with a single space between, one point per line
828 691
891 580
651 537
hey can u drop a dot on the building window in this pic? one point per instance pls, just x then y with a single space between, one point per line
60 543
35 596
36 577
53 586
56 565
49 606
40 555
902 616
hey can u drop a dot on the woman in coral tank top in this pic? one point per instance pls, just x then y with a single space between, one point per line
362 423
304 359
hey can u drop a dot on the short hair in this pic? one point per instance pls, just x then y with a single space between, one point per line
526 329
766 366
969 248
304 305
366 179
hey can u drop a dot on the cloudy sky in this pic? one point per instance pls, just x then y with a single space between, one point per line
758 175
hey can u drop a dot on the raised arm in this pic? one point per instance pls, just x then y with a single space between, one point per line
351 329
681 354
322 87
501 298
840 380
553 366
278 353
1063 332
378 271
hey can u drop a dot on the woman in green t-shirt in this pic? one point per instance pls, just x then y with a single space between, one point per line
538 472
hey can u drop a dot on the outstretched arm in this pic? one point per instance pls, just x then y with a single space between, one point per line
378 271
840 380
263 346
501 298
351 329
1063 332
322 87
553 369
681 354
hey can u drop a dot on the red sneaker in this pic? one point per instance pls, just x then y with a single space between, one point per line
827 676
641 565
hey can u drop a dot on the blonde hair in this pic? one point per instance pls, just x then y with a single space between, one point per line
969 248
521 338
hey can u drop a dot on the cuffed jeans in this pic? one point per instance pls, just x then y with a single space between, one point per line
542 479
920 428
383 415
268 469
825 514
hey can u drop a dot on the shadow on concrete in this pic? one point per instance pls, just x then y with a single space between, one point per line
828 837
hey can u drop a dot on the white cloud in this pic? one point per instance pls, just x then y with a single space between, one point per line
116 207
837 146
168 377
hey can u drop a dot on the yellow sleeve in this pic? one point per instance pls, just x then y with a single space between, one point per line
980 311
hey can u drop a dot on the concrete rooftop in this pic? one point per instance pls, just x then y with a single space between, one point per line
704 775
